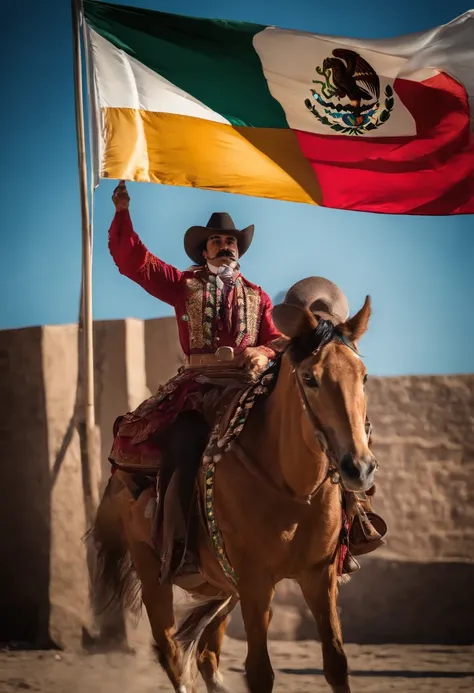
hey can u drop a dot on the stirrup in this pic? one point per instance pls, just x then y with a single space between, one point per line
350 565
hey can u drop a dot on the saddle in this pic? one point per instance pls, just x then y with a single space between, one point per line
220 369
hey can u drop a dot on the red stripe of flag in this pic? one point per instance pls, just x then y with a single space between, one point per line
431 173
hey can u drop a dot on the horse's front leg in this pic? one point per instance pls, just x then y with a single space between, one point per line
320 591
256 594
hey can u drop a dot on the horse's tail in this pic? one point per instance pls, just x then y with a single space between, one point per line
193 626
114 584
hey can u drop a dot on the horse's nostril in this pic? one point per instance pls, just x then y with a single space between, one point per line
371 467
349 468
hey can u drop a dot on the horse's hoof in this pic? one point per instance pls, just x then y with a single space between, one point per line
216 687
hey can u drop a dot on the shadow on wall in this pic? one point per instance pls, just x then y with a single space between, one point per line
395 601
43 580
25 480
388 601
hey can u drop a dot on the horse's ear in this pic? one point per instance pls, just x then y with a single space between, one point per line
292 320
356 326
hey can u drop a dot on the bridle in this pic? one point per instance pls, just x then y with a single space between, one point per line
332 471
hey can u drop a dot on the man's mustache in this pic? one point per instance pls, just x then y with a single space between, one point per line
225 252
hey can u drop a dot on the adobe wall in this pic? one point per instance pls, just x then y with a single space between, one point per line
424 439
43 579
120 377
163 354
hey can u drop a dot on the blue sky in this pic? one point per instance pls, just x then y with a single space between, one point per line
417 270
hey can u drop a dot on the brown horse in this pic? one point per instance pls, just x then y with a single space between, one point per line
277 504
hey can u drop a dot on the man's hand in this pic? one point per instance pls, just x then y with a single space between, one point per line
120 197
254 359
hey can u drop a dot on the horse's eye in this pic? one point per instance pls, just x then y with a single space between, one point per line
365 378
310 380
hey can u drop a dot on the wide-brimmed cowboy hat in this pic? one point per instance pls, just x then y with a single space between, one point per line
196 237
316 294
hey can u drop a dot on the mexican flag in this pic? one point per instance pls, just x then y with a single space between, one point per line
375 126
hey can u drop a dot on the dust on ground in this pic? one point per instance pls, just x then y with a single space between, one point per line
380 668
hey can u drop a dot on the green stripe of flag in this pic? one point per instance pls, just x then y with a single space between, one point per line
211 59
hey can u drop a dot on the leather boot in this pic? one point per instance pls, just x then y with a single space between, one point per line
367 533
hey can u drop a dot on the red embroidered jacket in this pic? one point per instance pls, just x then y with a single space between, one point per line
207 317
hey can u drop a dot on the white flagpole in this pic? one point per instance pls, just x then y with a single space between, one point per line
85 318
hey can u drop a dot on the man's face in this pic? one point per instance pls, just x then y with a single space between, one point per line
221 249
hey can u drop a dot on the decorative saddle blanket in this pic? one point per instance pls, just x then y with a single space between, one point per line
229 426
225 432
222 395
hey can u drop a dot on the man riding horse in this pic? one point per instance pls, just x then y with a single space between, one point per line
217 309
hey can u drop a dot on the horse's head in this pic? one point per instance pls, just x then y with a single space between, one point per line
331 377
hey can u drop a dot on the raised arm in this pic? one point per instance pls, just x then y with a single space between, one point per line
133 258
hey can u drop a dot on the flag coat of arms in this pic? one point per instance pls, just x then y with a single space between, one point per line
370 125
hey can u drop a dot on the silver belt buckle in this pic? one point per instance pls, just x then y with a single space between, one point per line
225 353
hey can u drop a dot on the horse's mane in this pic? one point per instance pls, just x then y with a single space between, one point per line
302 346
318 332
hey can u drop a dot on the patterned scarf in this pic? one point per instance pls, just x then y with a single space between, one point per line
225 304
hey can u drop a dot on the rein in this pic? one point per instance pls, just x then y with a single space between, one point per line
332 466
332 471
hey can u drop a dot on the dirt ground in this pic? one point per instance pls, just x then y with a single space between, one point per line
381 669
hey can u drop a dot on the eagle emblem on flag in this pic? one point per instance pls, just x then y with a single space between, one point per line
347 98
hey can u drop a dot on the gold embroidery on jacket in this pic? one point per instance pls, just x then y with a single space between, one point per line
252 300
248 306
194 309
